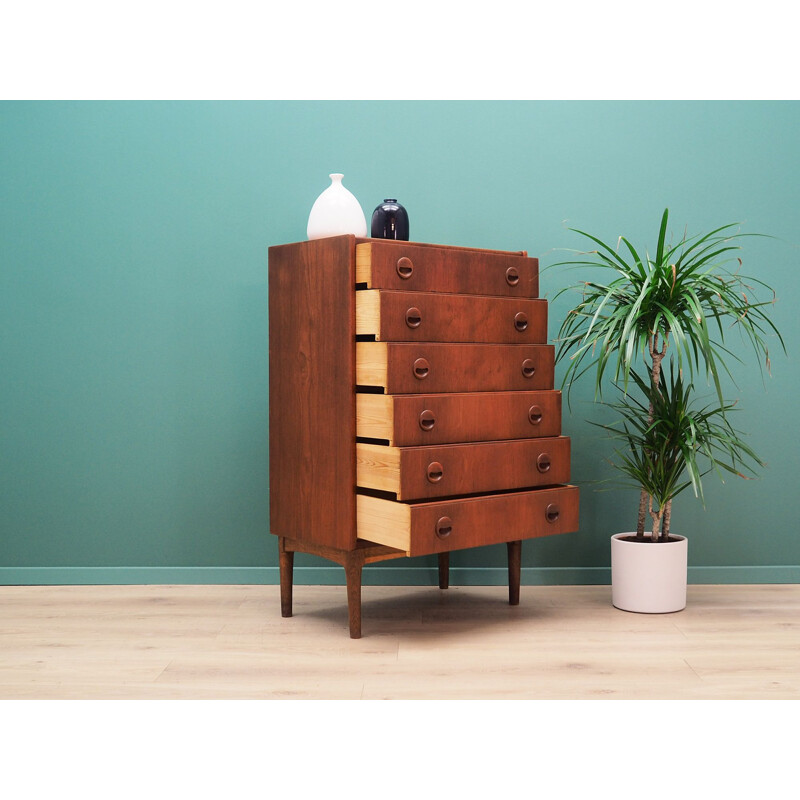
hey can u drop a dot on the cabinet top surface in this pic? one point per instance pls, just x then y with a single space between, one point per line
396 243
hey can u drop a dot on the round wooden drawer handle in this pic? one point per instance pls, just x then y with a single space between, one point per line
413 317
543 462
435 472
405 267
528 368
427 419
551 513
512 276
521 321
444 527
535 415
421 368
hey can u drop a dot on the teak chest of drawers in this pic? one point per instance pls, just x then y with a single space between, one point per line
411 406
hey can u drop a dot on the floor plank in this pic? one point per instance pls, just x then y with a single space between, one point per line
561 642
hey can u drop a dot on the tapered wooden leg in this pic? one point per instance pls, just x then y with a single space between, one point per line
286 561
352 571
444 570
514 563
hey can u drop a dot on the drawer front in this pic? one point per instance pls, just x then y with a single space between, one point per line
444 525
417 268
411 368
410 420
416 473
420 317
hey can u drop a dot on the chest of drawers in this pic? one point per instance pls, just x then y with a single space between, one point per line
411 407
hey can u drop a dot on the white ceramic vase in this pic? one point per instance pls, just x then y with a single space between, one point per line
649 577
335 212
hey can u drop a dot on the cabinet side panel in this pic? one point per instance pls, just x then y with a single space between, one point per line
312 391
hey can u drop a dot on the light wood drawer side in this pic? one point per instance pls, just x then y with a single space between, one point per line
375 416
384 521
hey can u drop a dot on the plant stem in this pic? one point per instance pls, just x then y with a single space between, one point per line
657 357
656 515
642 513
665 521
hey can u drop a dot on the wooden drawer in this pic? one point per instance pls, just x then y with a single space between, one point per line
424 268
393 316
446 470
443 525
411 368
409 420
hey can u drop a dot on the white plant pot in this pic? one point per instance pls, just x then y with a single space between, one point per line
335 212
649 577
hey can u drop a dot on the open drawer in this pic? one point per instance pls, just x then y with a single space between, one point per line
408 420
392 316
417 367
415 267
443 525
447 470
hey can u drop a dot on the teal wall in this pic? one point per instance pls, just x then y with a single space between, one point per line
133 306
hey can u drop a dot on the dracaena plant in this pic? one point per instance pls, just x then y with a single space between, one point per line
668 443
684 300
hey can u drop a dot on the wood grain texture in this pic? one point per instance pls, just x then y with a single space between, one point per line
368 552
474 521
461 322
493 519
378 467
463 469
424 245
312 391
394 316
452 418
384 521
454 367
438 268
375 416
352 569
732 642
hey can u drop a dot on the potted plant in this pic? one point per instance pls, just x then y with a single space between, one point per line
667 444
667 316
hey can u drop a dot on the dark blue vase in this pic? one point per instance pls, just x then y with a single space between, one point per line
390 221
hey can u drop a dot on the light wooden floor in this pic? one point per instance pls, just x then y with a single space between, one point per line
561 642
